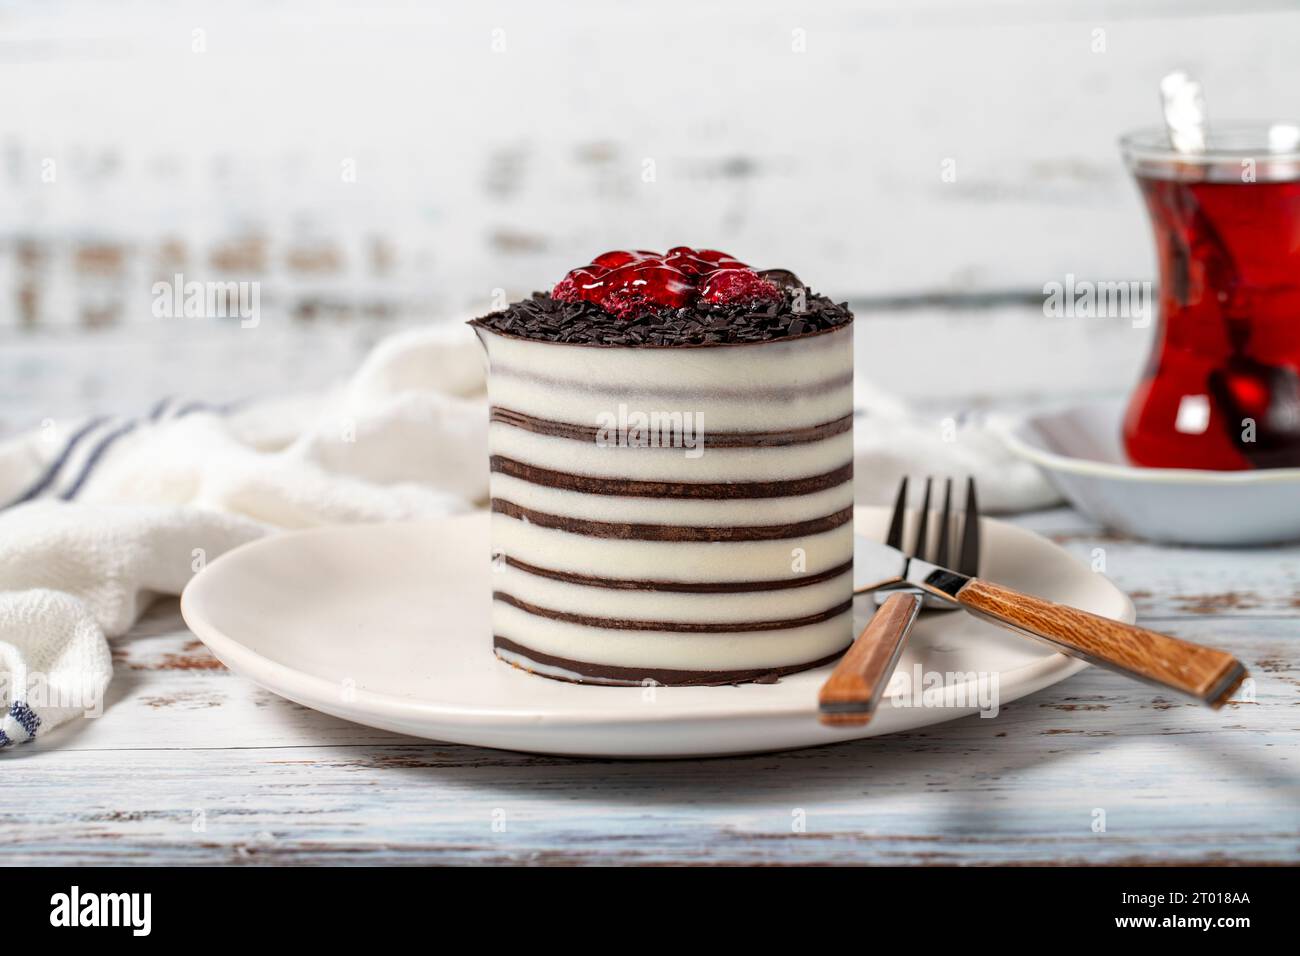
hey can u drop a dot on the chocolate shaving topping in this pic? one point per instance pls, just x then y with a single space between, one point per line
799 313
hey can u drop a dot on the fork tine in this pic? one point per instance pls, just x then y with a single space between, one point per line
924 525
895 536
941 548
969 562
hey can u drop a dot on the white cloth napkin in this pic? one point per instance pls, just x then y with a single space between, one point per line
72 574
105 514
890 440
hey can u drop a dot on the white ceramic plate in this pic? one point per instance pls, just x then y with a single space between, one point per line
1081 451
387 625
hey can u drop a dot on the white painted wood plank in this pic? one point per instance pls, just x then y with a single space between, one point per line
1170 582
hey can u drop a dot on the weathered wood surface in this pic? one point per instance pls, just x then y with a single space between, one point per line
184 740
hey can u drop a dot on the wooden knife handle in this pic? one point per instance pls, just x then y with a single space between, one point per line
1204 673
850 695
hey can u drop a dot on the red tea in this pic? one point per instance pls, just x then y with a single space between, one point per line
1222 388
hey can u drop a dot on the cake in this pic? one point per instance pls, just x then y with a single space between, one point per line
670 448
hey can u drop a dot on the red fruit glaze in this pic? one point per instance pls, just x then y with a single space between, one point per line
630 283
735 285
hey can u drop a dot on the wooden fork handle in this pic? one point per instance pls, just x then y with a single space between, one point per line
850 695
1204 673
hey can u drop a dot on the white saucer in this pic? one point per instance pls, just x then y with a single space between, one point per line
1082 453
387 625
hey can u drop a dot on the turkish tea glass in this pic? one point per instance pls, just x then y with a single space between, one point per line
1221 389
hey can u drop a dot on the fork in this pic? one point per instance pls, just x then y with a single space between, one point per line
1205 674
852 693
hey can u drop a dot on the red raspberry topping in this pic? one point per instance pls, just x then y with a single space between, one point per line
735 285
631 283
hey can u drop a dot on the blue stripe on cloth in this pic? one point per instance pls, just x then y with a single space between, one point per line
158 409
25 716
130 426
189 407
52 471
95 455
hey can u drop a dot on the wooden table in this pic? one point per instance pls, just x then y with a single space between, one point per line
193 764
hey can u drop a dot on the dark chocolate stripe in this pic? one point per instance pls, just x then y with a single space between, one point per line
676 627
668 532
691 394
626 487
685 587
594 434
599 673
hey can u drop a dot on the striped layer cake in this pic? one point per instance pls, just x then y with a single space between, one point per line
671 496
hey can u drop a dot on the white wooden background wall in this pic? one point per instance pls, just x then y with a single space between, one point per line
479 168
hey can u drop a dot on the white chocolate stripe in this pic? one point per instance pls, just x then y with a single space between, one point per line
561 673
678 511
671 464
686 394
530 661
673 428
707 608
671 560
794 363
752 413
666 649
